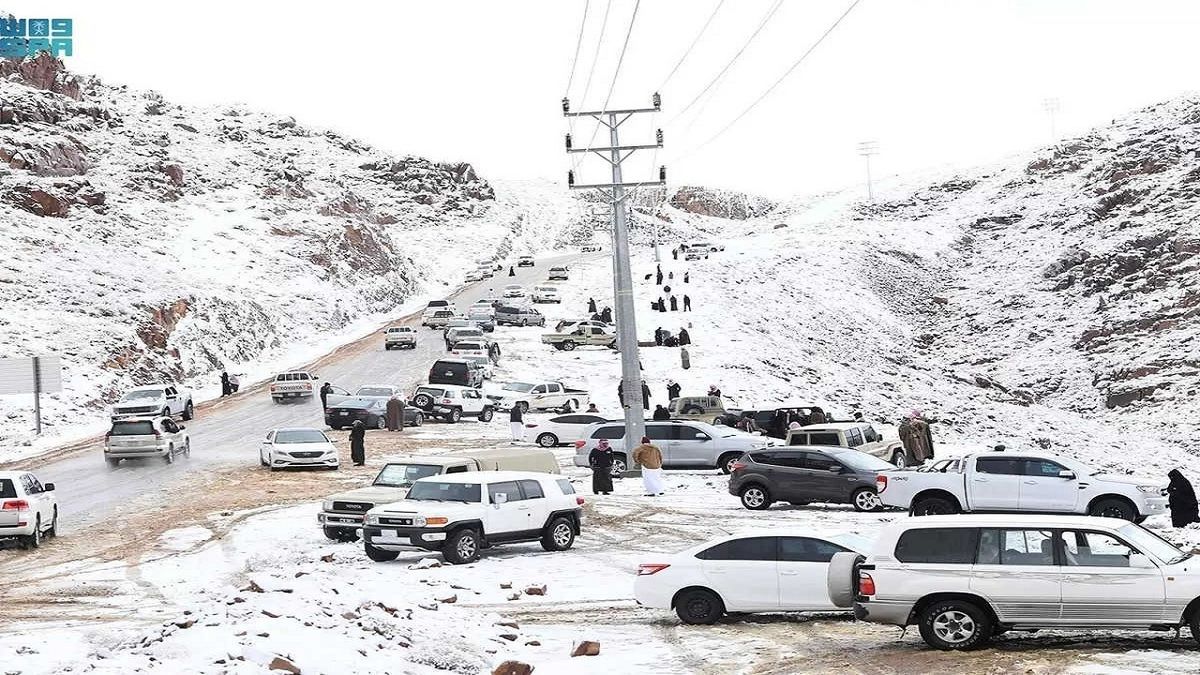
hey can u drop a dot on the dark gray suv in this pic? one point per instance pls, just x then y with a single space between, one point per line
800 475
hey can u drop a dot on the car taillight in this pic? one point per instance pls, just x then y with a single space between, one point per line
329 411
880 484
647 569
579 500
15 505
866 585
737 466
579 444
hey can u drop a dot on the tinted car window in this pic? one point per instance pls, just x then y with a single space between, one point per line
565 486
132 429
1000 465
1017 547
609 432
7 488
824 438
450 492
532 489
508 488
938 545
660 432
805 549
818 462
750 548
1043 467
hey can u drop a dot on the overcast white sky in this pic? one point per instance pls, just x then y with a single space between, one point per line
933 81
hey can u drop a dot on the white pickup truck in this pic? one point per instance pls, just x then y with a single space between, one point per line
540 396
167 400
1012 481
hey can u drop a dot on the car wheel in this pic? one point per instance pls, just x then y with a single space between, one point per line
113 462
934 506
170 456
423 400
568 346
53 531
755 497
524 322
841 578
166 412
618 466
1112 508
462 547
378 554
955 625
865 499
187 448
486 415
263 460
699 606
418 420
381 423
899 460
559 535
725 463
35 540
547 440
189 411
524 406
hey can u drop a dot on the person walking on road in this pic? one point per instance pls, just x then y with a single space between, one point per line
1182 500
358 450
687 302
661 414
591 305
395 414
326 390
673 390
225 390
674 304
516 423
650 459
600 459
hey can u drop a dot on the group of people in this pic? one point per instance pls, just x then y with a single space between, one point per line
229 384
664 338
916 437
603 315
646 455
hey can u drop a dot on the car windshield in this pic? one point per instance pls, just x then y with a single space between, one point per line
143 395
465 346
289 436
403 475
373 391
405 329
522 387
1151 543
860 461
436 491
132 429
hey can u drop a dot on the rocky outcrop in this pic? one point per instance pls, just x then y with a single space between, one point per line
42 72
720 203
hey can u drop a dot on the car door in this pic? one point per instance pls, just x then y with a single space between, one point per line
35 497
554 395
472 401
691 446
173 403
1043 489
1100 582
507 515
790 478
743 572
45 500
537 506
996 483
171 431
1016 571
537 396
663 436
803 566
826 481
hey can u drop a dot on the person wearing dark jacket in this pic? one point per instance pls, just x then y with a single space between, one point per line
675 253
673 390
511 271
225 387
591 305
516 423
395 414
687 303
658 277
645 396
662 305
686 276
606 315
661 414
685 338
600 459
326 390
358 450
1182 500
658 336
674 304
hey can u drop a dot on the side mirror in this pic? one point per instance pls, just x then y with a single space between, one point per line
182 428
1140 561
500 499
48 487
837 469
1069 475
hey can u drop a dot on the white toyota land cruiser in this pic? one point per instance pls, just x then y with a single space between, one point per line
461 514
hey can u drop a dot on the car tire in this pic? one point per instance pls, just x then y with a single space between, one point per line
1194 624
619 466
378 554
955 625
53 531
568 346
1111 507
559 535
934 506
486 415
865 499
547 440
899 460
422 400
841 578
35 540
262 461
725 461
699 606
112 462
462 547
381 422
189 411
755 497
454 416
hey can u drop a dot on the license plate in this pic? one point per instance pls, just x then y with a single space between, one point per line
390 535
344 413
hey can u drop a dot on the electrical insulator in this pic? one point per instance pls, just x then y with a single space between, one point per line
657 101
566 105
570 178
662 173
658 136
569 141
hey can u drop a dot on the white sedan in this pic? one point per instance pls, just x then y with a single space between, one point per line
560 430
297 446
514 291
775 571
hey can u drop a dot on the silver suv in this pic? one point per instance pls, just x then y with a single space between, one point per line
135 437
684 444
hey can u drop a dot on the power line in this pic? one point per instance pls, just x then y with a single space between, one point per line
578 44
616 75
587 84
692 46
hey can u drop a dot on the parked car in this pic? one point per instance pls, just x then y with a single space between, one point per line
451 403
400 337
704 247
156 399
540 396
476 352
546 294
459 372
296 384
802 475
566 326
579 336
371 411
558 273
438 305
684 444
379 391
485 320
780 570
342 514
439 318
28 508
1017 481
297 447
453 336
525 261
764 418
696 254
473 276
519 316
590 248
140 437
513 291
560 430
699 408
858 435
963 579
464 513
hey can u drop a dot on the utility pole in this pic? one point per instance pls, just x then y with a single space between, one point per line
615 153
1050 105
866 149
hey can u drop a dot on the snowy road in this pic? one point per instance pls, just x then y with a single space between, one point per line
226 432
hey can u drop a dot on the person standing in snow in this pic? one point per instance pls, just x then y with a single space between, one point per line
713 390
661 414
516 423
1182 500
358 450
658 276
326 390
645 395
395 414
591 305
650 459
687 303
673 390
671 275
674 304
606 315
225 391
511 272
685 277
685 338
914 438
592 408
600 459
658 336
675 253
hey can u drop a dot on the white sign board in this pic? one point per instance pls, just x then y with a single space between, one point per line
18 376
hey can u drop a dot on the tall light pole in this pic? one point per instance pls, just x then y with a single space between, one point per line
1051 106
866 149
615 154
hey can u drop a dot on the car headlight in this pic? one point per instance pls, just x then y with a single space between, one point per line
419 521
327 505
1151 489
372 520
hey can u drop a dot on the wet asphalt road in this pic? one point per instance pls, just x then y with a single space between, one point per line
227 433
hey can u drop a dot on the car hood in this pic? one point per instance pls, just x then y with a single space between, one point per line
304 447
371 493
1129 480
141 402
451 510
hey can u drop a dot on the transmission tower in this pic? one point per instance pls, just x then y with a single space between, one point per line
866 149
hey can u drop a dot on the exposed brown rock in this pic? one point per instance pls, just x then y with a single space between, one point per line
512 668
586 648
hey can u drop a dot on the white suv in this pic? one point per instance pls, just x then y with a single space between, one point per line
28 508
451 402
460 514
137 437
684 444
962 579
